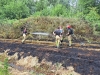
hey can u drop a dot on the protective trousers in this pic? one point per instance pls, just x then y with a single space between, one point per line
24 38
57 41
70 40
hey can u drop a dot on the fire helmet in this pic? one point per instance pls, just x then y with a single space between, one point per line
68 26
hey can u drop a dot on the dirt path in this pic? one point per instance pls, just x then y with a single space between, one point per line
84 59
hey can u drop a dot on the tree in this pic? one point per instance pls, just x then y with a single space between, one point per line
31 5
98 6
40 5
59 10
93 17
53 2
84 4
16 10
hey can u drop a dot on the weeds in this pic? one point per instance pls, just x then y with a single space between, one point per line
4 68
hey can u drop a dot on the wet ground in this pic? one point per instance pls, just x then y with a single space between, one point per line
85 59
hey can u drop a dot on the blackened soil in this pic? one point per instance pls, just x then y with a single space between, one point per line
84 59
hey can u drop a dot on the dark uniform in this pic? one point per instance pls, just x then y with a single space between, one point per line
57 33
69 34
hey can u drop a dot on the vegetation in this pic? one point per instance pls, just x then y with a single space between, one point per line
18 9
4 69
45 15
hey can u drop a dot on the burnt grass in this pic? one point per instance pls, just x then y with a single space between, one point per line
84 61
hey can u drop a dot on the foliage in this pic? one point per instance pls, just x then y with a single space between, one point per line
31 5
93 15
58 10
53 2
44 24
4 69
16 10
83 5
8 30
42 4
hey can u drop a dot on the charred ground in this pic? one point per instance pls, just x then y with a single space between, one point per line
84 59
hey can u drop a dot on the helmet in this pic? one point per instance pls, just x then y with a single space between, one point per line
68 26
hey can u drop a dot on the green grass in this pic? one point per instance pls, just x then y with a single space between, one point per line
4 68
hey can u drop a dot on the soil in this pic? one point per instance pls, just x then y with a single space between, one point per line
85 59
